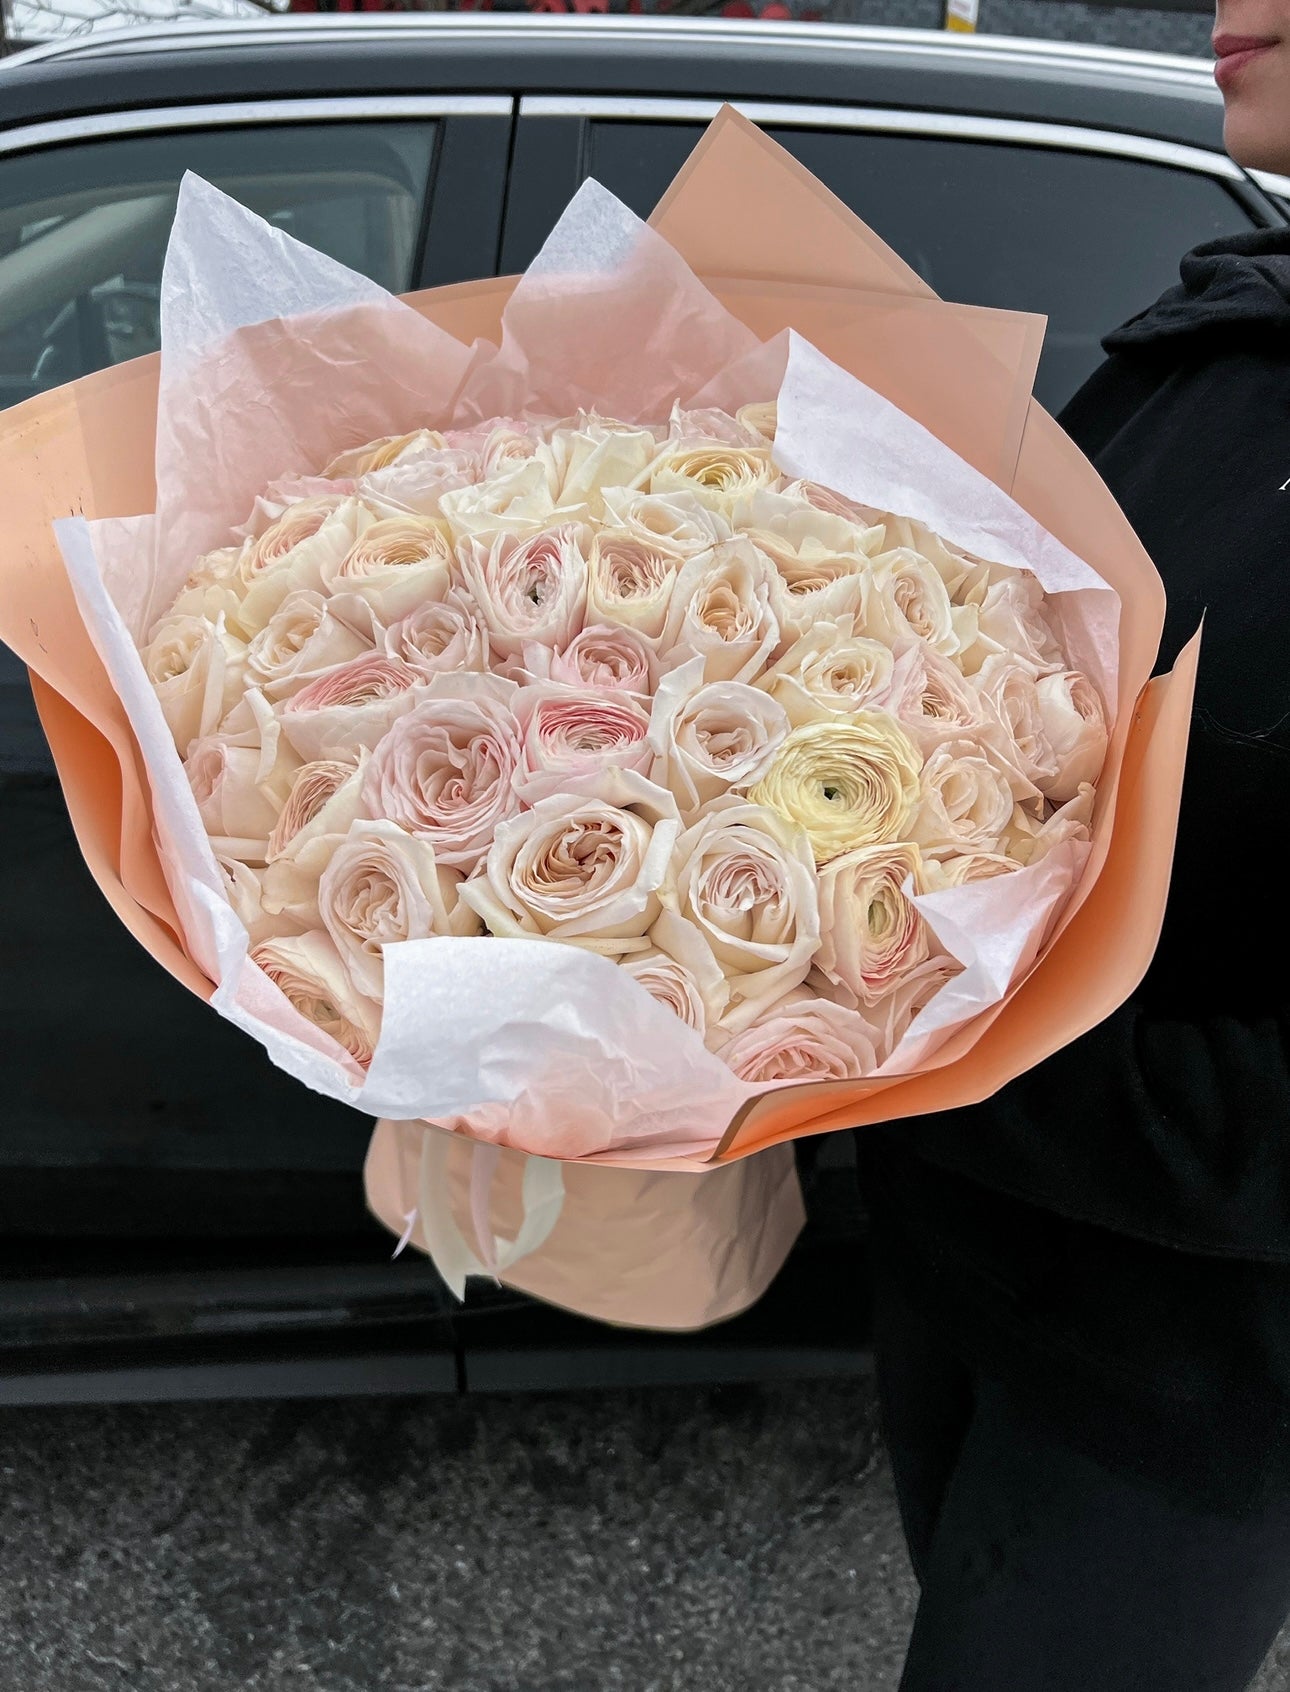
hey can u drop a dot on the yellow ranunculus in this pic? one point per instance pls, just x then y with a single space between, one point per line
849 784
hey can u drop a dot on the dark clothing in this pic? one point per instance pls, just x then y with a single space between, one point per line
1040 1568
1112 1230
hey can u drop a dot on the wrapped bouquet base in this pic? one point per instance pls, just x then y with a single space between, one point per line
886 398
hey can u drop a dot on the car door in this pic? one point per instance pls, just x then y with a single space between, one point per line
129 1108
1083 225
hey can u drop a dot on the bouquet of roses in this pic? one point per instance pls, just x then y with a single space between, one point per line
632 689
580 712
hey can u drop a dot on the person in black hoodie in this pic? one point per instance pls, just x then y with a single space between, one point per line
1082 1285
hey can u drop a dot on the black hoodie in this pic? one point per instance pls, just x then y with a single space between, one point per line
1121 1214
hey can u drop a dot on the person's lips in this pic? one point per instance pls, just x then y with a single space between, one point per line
1234 52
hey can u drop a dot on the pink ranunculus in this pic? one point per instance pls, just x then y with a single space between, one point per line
447 770
803 1038
350 706
529 588
572 731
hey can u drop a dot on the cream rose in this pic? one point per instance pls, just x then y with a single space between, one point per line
721 611
821 562
579 867
383 886
907 600
743 897
1009 687
1005 616
966 799
964 867
630 581
447 770
304 637
716 473
293 553
802 1038
1030 839
242 884
761 418
315 819
936 702
707 739
567 732
871 933
830 672
442 637
379 455
696 1002
241 783
1074 723
849 784
214 585
598 454
310 973
396 565
350 706
517 501
529 588
416 486
677 525
197 670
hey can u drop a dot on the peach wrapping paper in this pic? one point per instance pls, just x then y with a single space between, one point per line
546 1048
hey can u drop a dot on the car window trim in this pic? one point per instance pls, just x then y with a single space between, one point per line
891 121
229 114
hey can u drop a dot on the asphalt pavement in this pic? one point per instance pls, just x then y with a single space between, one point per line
731 1540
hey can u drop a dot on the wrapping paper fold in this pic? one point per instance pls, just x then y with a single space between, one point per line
943 387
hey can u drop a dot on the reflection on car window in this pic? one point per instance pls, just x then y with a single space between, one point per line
83 228
1084 238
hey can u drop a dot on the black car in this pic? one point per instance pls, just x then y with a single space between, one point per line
178 1218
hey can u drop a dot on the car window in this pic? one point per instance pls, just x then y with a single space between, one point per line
1085 238
83 228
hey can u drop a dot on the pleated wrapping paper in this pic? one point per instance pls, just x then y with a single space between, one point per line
274 359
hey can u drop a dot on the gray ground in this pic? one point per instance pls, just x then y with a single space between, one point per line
678 1541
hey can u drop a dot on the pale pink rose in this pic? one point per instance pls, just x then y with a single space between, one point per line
241 784
499 444
696 1002
294 552
871 933
906 600
830 672
964 867
598 657
448 769
530 588
517 500
937 703
350 706
707 739
802 1038
310 973
317 816
197 670
1009 687
416 486
213 586
965 801
630 581
380 454
1006 616
1029 839
821 566
709 424
579 867
396 565
242 884
959 570
759 418
716 473
569 732
892 1015
677 525
313 787
381 887
302 638
441 637
722 612
596 454
742 895
838 505
1075 724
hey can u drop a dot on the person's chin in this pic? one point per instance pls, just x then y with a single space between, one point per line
1256 134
